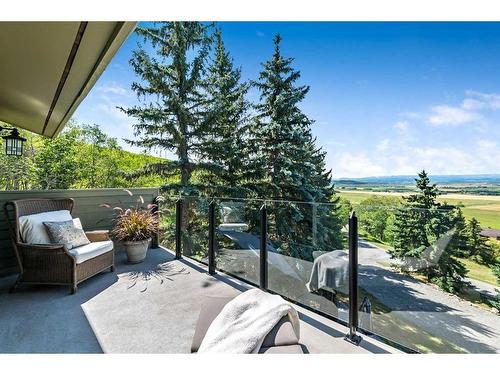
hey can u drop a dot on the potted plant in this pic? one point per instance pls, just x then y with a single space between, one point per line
135 227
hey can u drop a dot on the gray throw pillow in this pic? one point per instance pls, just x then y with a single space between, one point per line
66 233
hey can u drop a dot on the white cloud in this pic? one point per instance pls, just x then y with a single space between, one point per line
487 145
408 149
471 104
447 115
357 166
335 143
480 100
488 152
468 111
401 125
444 160
480 157
383 144
411 115
400 164
111 110
113 88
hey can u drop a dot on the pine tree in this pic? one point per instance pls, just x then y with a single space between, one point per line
478 246
431 236
225 144
496 271
172 114
291 166
412 218
281 130
447 271
426 199
460 238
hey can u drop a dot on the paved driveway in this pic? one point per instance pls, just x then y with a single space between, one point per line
445 315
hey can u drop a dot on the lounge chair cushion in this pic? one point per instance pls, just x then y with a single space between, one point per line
32 229
281 334
210 308
283 349
93 249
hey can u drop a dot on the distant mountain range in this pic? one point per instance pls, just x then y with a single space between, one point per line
489 179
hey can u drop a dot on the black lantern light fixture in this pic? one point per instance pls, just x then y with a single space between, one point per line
14 143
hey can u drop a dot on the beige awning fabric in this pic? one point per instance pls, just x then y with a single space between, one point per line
47 69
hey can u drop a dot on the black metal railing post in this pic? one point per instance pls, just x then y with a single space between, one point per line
178 229
155 210
263 248
353 280
211 238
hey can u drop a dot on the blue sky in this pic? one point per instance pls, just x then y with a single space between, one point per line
387 98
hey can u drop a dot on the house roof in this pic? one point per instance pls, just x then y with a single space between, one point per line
495 233
47 69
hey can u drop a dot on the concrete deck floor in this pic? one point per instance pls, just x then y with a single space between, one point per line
150 307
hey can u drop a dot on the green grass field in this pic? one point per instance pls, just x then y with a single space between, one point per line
484 208
487 218
480 272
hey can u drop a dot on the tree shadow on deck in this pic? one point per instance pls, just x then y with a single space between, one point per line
158 273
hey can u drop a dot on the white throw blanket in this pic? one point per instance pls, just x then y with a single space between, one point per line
245 321
330 271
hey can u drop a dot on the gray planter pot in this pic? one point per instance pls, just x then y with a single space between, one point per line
136 250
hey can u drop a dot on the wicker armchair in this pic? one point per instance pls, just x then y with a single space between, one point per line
52 263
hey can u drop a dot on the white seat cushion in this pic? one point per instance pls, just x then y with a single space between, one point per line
242 227
32 229
93 249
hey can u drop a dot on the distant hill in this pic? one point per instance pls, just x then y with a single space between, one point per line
487 179
349 182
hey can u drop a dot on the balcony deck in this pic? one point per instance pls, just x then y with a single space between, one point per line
150 307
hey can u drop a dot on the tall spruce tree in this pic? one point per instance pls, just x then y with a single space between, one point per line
431 235
225 144
447 271
282 131
412 218
172 114
291 165
460 238
478 246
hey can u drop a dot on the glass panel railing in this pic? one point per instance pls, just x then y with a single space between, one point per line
414 288
309 263
166 206
424 276
238 238
194 224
